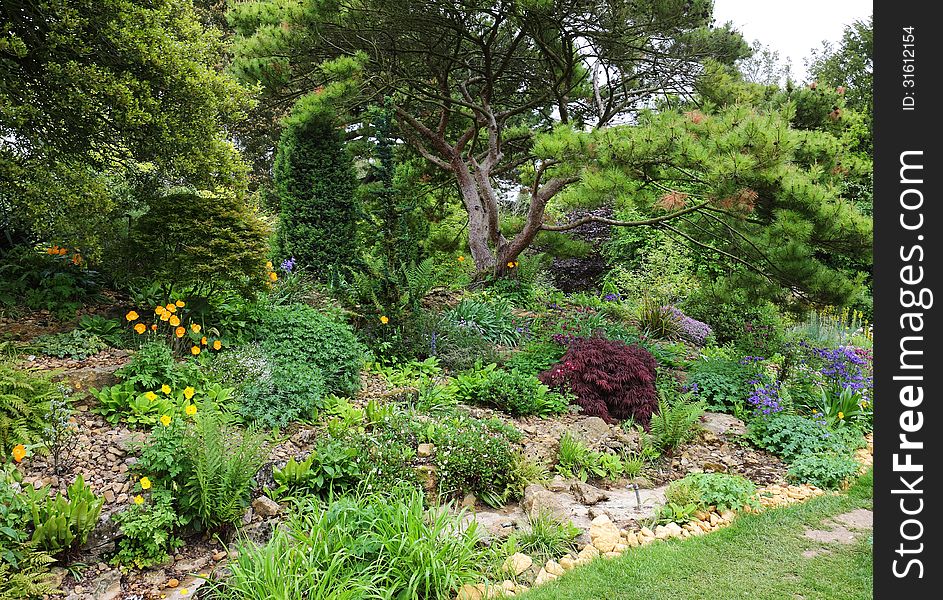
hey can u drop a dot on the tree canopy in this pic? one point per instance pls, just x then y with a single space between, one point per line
89 89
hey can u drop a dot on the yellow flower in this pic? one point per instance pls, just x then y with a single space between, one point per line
510 265
188 392
172 308
196 327
165 388
190 410
461 259
195 350
164 315
19 452
131 316
139 499
217 345
145 483
180 303
165 420
273 276
174 321
151 396
841 415
140 328
384 319
203 340
159 310
184 591
180 331
269 266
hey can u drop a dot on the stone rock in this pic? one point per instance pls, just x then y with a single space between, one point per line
587 494
567 563
218 556
558 484
109 496
722 424
154 578
606 539
173 582
469 592
265 506
191 566
427 478
543 577
108 585
714 467
55 577
469 501
425 450
673 530
517 563
553 567
588 553
660 532
538 500
592 431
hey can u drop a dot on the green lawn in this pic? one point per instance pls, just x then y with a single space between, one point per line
757 558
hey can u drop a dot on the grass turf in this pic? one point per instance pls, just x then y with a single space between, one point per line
759 557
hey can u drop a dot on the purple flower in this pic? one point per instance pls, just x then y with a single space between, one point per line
611 298
288 264
692 330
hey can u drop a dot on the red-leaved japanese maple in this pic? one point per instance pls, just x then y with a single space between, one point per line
610 379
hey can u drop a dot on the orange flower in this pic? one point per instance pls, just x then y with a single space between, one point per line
164 315
217 345
131 316
76 259
195 350
154 327
140 328
461 259
180 331
203 340
172 308
62 251
19 452
196 327
511 265
180 303
273 276
159 310
52 250
174 321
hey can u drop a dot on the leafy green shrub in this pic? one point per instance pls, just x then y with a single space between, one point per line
208 464
829 471
43 279
315 184
683 492
24 403
791 436
385 544
63 523
77 344
676 513
200 242
724 491
514 392
14 514
329 469
457 348
300 334
544 537
153 365
755 328
473 456
147 531
535 357
574 459
675 422
111 331
721 381
121 402
409 373
494 321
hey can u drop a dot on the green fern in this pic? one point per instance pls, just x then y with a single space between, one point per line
419 280
24 401
674 423
30 578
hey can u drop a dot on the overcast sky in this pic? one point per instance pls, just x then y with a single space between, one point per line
793 27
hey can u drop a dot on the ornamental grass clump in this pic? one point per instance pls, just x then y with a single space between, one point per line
610 379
